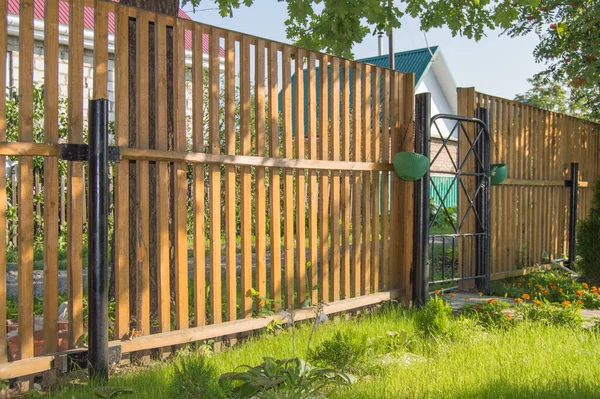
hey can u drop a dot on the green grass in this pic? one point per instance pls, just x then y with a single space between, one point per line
529 360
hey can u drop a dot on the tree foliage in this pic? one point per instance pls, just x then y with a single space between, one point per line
555 97
335 26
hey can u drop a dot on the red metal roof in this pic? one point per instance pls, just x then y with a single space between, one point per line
88 19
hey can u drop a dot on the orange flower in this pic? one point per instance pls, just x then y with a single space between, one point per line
525 296
490 301
560 290
585 285
518 300
545 292
509 316
579 301
579 292
551 285
566 303
537 302
529 284
453 295
478 308
594 288
436 292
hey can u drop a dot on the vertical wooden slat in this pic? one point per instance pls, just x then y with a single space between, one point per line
405 109
288 182
366 180
3 204
356 181
122 183
335 179
215 180
385 184
246 189
324 183
181 242
100 51
50 178
261 208
76 204
230 206
274 183
312 177
346 183
300 183
25 177
376 157
396 278
162 200
198 178
143 178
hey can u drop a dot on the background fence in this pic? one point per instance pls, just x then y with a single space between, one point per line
220 213
530 209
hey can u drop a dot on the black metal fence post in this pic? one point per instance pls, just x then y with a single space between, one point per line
484 204
573 199
421 198
98 240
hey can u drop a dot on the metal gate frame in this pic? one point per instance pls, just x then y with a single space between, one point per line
477 205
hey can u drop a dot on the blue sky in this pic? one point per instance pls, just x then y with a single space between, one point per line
495 65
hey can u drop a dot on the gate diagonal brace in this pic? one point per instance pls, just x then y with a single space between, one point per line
79 152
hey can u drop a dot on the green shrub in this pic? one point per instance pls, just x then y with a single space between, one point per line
587 241
435 317
344 351
194 378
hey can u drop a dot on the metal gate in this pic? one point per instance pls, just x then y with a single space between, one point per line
452 243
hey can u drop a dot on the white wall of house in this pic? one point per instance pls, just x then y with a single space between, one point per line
439 102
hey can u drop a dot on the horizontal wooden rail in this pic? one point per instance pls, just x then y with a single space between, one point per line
40 364
542 183
135 154
522 272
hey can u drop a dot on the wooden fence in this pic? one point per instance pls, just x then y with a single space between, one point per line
213 205
530 209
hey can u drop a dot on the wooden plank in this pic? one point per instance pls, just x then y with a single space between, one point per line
288 177
385 184
122 175
346 218
230 197
162 177
300 183
376 183
356 181
215 181
405 107
26 367
181 242
274 184
366 181
143 177
3 199
198 178
25 182
335 179
238 160
239 326
323 110
100 51
76 203
246 189
261 208
50 179
312 177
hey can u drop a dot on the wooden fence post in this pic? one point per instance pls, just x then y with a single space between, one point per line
402 207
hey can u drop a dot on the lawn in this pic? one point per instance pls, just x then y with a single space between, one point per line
395 353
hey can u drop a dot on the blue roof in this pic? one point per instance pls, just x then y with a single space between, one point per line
413 61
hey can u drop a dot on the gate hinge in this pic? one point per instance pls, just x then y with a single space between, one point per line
79 152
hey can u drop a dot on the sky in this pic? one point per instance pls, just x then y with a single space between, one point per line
495 65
